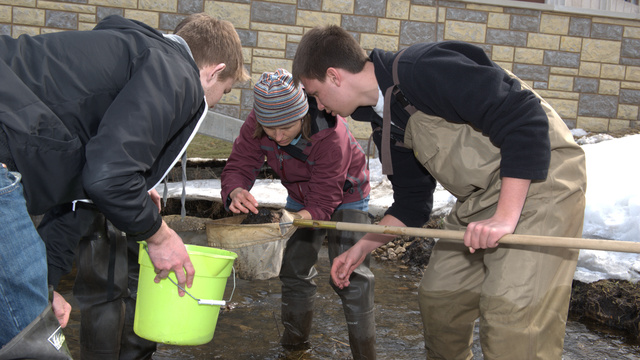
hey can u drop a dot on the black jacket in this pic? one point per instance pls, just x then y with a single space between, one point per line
100 115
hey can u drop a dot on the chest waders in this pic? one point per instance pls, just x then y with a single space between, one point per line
520 294
105 284
299 289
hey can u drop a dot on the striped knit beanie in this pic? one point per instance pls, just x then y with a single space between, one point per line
276 99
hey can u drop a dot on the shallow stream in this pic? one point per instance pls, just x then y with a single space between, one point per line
251 328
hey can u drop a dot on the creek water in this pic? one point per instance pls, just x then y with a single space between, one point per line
250 327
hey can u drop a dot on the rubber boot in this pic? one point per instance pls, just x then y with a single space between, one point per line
41 339
132 346
357 298
298 288
100 286
297 316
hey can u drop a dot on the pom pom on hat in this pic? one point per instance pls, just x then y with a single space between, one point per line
277 101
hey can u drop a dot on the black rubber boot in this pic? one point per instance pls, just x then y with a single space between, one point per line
297 316
132 346
298 288
41 339
100 286
357 298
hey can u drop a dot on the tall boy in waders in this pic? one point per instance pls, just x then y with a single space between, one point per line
325 173
506 156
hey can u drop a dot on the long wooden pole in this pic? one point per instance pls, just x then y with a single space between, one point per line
518 239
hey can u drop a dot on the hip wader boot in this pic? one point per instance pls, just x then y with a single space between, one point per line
102 291
41 339
357 298
298 287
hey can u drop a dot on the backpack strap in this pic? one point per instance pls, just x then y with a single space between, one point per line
394 90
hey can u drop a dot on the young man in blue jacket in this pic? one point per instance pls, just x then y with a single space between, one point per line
99 117
506 156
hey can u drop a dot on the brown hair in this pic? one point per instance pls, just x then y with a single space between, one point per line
327 46
306 129
213 41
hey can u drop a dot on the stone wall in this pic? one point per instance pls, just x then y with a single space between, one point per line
586 63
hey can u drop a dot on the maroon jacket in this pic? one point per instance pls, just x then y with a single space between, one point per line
327 171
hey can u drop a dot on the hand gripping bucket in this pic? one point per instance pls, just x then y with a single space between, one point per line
164 316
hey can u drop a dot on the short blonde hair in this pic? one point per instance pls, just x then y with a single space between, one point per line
214 41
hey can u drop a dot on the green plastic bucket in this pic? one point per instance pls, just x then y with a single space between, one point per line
164 316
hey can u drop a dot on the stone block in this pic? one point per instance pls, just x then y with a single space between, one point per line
159 5
487 8
81 26
315 5
272 40
524 23
286 29
632 32
315 18
238 14
628 112
398 9
598 105
529 56
554 24
247 55
531 72
5 29
522 11
580 27
561 58
467 15
465 31
169 22
232 98
540 85
389 27
543 41
262 64
505 65
563 71
385 42
631 48
591 69
124 4
412 32
190 6
506 37
5 14
633 73
87 18
359 23
18 30
617 125
290 51
359 129
569 43
268 53
103 12
247 98
499 21
606 31
585 85
28 16
629 96
228 110
422 13
603 51
61 20
150 18
629 61
567 109
592 124
562 83
68 7
502 53
273 12
369 7
338 6
609 87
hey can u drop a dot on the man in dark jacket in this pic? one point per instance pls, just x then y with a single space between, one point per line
501 150
100 117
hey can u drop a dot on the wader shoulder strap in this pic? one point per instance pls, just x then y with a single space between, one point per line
394 90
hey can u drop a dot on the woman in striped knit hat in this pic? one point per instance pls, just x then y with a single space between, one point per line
324 170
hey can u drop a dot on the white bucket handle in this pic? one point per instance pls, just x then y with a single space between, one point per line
203 301
209 302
